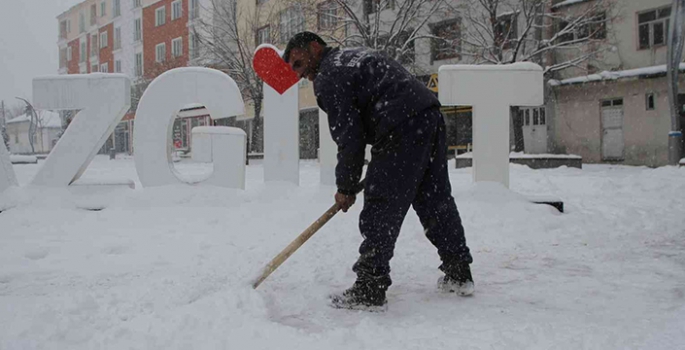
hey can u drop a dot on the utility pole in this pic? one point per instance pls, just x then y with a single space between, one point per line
675 51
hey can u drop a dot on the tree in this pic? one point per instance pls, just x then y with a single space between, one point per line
391 26
3 128
228 36
509 31
539 31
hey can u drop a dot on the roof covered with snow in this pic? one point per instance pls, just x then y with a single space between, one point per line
48 119
623 74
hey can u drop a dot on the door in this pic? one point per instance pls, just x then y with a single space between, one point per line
613 143
534 129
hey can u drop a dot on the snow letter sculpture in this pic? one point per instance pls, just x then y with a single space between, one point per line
281 116
158 107
103 100
491 90
327 151
7 176
225 147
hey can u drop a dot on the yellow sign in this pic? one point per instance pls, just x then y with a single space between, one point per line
433 83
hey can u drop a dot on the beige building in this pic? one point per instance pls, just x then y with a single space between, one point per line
48 129
620 113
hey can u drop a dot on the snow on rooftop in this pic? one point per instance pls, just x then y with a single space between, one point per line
49 119
606 75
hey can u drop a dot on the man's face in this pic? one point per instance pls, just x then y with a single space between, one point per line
304 62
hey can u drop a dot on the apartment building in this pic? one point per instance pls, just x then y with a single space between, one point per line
139 38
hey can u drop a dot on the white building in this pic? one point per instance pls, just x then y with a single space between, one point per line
48 130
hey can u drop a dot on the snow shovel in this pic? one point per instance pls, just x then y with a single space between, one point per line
299 241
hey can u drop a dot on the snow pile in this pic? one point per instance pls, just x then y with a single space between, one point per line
606 75
521 155
170 267
21 159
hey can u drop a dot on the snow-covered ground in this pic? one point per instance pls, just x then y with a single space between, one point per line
170 268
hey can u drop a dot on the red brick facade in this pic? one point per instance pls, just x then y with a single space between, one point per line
154 35
72 66
106 55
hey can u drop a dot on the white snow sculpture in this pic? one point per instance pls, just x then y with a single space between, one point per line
103 100
7 176
491 90
327 151
225 147
165 96
281 135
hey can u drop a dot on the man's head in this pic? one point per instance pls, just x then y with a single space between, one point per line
303 54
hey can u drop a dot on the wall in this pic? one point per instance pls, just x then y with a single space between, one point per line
163 34
577 128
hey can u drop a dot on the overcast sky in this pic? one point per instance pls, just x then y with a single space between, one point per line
28 44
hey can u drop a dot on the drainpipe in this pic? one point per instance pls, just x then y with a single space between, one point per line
675 52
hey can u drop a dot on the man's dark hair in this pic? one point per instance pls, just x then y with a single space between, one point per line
300 41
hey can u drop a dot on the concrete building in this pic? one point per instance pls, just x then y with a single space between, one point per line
621 112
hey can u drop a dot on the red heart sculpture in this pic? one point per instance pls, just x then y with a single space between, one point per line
273 70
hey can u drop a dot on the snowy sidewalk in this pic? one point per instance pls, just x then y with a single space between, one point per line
170 268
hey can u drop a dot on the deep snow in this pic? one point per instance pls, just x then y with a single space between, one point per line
170 267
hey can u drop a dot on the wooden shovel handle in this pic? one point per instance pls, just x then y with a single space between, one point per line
295 244
298 242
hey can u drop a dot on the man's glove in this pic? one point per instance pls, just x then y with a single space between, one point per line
344 201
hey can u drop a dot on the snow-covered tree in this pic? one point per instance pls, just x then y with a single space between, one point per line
540 31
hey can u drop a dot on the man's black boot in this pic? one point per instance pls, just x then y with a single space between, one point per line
361 296
458 281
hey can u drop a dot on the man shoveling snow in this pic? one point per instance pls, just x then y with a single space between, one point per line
372 99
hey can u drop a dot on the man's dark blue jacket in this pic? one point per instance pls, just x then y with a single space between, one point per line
366 95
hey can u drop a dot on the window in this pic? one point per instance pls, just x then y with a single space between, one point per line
160 52
117 66
93 14
81 22
653 27
263 35
94 68
94 45
103 9
117 38
194 45
327 16
527 119
536 116
177 47
506 33
160 16
450 45
103 40
137 4
194 8
593 27
63 29
405 57
176 10
614 102
116 8
62 58
83 54
291 22
649 103
104 68
137 29
373 6
69 54
543 116
139 64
